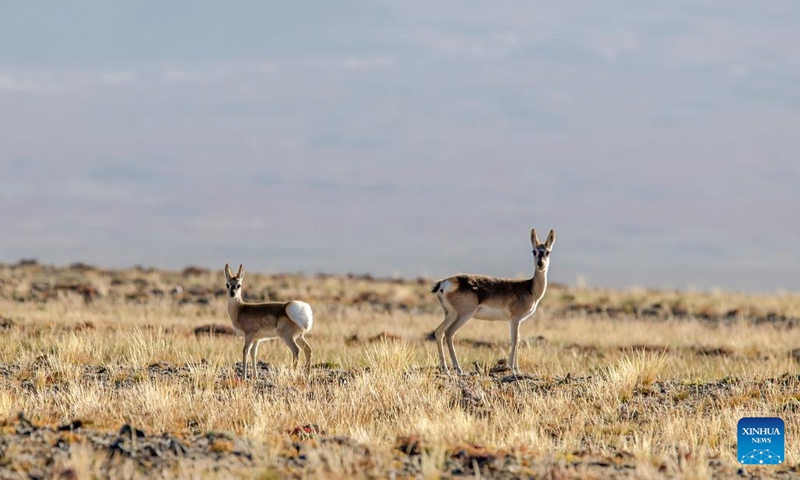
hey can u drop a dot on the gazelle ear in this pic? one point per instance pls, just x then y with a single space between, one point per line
551 239
534 238
228 273
240 273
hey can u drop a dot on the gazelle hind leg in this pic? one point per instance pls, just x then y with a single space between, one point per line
306 350
290 342
449 318
451 331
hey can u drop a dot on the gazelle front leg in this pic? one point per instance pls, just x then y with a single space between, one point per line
254 358
248 345
512 358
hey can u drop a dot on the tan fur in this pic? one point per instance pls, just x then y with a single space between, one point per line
260 321
491 298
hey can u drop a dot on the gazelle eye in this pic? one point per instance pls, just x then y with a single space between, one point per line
238 287
227 285
546 254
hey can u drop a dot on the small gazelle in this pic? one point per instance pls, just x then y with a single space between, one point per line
256 322
490 298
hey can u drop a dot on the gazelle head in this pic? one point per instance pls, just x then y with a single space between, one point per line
541 251
234 283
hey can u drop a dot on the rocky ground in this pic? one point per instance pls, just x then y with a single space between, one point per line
42 301
30 450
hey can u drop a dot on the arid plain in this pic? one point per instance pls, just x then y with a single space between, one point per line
134 373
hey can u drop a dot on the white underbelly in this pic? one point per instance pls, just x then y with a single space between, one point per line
498 314
491 313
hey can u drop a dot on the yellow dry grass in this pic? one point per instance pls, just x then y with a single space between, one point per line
648 396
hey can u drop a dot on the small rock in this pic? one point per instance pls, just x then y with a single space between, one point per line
73 425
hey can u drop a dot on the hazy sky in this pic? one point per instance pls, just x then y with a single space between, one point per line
659 139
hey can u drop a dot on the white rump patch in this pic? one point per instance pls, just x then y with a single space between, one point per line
447 286
300 314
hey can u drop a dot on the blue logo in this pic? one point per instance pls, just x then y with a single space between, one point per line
761 440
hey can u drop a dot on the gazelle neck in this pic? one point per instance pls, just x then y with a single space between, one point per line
233 306
539 283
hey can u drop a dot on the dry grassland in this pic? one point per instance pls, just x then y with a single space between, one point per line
102 374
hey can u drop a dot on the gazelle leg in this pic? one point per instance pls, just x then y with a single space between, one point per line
248 345
449 318
254 358
290 342
462 319
512 358
306 350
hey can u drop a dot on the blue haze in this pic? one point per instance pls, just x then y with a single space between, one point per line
410 138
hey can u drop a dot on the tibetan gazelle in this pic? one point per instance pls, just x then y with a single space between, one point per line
256 322
490 298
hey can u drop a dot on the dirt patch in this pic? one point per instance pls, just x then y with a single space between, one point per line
124 377
713 352
215 329
88 292
602 352
381 337
195 271
80 327
44 451
660 311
